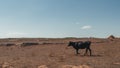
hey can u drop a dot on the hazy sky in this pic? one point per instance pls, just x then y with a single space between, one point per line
59 18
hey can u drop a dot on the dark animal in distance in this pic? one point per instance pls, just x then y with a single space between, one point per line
81 45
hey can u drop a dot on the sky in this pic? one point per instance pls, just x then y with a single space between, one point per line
59 18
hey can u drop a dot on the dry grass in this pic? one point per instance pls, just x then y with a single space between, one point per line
105 53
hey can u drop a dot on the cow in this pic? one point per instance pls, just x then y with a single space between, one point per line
81 45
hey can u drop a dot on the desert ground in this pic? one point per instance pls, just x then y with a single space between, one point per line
52 53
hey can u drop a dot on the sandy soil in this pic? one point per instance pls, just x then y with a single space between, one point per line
53 53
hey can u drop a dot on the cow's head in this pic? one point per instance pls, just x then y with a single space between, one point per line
70 43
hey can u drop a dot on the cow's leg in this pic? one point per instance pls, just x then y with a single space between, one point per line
86 51
90 52
77 51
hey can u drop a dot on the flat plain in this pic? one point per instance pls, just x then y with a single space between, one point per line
53 53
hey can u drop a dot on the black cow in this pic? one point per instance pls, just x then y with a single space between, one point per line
81 45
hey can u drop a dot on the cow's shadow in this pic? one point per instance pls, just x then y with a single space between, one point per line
90 56
97 56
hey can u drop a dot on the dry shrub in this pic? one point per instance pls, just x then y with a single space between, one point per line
7 44
111 37
28 44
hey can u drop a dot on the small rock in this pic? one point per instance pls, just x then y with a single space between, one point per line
67 66
76 67
72 66
43 66
6 65
80 66
117 63
85 66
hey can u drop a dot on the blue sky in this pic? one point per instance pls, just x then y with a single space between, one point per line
59 18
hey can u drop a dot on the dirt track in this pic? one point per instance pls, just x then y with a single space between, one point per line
52 53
